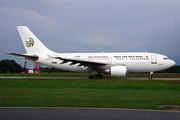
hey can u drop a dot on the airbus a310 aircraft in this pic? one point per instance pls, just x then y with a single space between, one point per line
114 64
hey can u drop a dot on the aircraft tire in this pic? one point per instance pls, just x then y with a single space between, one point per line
100 76
150 77
91 77
96 76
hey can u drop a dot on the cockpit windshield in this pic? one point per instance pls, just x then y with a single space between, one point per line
166 58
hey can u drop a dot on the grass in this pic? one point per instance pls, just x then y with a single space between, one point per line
101 93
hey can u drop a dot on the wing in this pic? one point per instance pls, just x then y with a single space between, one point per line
26 56
93 64
82 62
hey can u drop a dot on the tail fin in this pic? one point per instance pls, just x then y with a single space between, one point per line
31 43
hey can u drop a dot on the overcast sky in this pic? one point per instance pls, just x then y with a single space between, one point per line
93 26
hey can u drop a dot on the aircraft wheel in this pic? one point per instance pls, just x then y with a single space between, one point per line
100 76
91 77
96 76
150 77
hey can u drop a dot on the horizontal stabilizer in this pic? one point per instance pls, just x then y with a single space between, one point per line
26 56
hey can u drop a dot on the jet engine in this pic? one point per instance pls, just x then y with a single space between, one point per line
119 71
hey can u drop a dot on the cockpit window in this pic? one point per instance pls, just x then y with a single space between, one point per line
166 58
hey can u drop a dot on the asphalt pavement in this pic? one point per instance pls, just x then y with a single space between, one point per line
85 114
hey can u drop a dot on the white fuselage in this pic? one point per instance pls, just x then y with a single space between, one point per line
114 64
135 61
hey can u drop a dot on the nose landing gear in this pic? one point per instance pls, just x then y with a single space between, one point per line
150 76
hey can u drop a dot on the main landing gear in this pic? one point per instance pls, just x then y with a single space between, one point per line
96 76
150 76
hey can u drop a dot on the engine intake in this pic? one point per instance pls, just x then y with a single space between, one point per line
119 71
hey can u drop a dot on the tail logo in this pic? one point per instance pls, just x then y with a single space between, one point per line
30 42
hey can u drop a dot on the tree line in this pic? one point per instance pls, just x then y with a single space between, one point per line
173 69
12 67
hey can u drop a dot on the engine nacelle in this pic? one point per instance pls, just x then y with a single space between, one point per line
119 71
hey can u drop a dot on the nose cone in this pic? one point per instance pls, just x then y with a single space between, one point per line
171 63
168 63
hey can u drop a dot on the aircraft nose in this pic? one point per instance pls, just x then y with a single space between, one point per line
172 63
168 63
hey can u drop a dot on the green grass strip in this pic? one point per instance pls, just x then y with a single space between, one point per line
101 93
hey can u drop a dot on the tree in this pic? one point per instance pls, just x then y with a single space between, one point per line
173 69
10 65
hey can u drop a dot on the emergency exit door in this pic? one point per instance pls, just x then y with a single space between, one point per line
110 60
54 61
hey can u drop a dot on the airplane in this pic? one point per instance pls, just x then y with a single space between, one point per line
118 64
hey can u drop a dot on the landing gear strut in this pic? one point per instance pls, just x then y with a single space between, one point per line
150 76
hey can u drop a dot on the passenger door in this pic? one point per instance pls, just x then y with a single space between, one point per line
153 59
